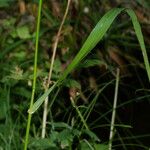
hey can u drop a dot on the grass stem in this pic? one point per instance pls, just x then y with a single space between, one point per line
114 111
79 114
51 68
35 74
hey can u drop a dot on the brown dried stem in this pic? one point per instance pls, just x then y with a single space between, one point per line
51 68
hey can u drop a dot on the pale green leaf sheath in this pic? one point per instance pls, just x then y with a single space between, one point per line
95 36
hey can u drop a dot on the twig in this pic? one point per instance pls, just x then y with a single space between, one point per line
114 110
51 68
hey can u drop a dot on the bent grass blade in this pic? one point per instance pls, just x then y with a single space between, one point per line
95 36
140 38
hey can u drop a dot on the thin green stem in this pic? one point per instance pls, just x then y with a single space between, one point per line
35 74
79 113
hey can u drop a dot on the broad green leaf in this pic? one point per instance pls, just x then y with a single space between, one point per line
9 23
92 135
22 91
54 136
61 125
95 36
20 55
42 144
4 3
23 32
71 83
85 146
101 147
91 62
57 66
65 137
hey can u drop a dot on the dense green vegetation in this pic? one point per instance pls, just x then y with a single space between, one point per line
74 75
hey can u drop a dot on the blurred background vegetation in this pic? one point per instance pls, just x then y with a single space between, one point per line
119 48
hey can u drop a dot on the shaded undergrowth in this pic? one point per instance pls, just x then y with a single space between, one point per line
84 123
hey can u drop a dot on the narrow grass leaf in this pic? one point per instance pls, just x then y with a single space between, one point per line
95 36
39 102
140 38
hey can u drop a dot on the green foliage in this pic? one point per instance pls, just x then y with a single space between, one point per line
63 138
85 145
71 124
42 143
71 83
4 103
101 146
5 3
90 63
92 135
23 32
144 3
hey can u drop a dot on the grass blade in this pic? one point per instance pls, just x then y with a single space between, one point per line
140 38
39 102
95 36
